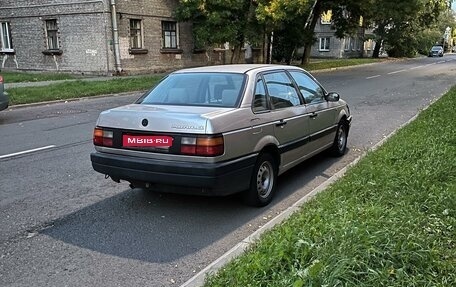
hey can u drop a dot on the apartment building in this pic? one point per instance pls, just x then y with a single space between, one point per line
94 36
330 46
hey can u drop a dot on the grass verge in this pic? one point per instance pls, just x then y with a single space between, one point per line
79 89
17 77
391 221
337 63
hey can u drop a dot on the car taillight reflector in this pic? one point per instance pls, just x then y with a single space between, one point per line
102 137
202 146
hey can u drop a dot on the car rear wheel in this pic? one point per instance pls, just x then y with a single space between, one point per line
263 182
340 141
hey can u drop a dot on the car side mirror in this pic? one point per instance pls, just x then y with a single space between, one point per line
332 97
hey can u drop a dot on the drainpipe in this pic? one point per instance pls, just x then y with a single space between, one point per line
115 35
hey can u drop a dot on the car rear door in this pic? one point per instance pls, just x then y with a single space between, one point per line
289 117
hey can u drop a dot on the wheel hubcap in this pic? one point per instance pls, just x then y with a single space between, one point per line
265 179
341 138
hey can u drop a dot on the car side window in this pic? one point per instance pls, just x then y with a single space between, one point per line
310 90
260 100
282 93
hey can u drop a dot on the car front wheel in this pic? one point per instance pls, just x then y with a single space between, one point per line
263 182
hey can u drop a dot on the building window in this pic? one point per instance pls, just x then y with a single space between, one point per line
5 35
324 44
368 45
352 44
357 44
51 35
136 39
169 35
347 44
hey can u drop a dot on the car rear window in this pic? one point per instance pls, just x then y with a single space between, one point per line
197 89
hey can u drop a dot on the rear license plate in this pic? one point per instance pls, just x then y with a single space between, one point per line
146 141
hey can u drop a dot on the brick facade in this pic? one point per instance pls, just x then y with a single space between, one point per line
82 30
152 13
85 38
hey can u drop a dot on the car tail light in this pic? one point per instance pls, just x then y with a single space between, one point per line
202 146
102 137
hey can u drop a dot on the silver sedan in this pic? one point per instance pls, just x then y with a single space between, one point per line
220 130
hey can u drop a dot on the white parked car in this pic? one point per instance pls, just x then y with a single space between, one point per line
220 130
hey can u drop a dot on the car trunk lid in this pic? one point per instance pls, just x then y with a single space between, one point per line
167 119
163 129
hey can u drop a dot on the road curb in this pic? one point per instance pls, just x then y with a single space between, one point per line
20 106
361 65
241 247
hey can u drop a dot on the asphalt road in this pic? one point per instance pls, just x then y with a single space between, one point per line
62 224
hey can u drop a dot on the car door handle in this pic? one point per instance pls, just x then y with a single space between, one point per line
313 116
281 123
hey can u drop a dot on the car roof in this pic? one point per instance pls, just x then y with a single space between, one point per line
235 68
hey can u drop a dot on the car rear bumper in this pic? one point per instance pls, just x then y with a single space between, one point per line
180 177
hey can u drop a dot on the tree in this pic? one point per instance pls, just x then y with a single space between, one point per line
293 23
396 24
220 21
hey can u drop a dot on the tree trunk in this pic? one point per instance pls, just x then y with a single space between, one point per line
380 31
376 52
306 55
265 48
268 51
311 28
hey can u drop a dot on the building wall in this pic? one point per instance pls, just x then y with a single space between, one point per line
337 48
152 13
82 31
86 38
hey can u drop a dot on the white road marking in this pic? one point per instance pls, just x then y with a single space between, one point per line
26 151
417 67
440 62
376 76
395 72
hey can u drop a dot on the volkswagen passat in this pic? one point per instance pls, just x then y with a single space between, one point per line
220 130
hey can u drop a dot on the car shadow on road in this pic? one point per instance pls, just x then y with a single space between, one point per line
158 228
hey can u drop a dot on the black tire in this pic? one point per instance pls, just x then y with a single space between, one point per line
262 183
340 141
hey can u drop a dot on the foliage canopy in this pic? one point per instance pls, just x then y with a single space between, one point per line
401 26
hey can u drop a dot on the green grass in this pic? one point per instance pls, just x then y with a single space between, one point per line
337 63
80 88
16 77
391 221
